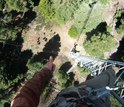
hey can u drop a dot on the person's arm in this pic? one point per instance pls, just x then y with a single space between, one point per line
29 94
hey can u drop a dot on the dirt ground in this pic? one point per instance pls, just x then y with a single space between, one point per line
36 40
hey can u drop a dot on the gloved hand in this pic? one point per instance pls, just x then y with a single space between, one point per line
49 65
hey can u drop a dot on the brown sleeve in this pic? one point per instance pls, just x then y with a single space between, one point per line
29 94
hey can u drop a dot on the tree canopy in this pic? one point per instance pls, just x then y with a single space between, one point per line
11 13
82 12
99 44
85 16
13 20
18 5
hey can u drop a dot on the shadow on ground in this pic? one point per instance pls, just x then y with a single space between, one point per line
101 28
36 2
28 17
65 67
13 61
68 77
51 48
119 54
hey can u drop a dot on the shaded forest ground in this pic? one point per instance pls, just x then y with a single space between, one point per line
40 44
36 40
55 42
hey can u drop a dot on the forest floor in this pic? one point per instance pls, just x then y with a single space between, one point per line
36 40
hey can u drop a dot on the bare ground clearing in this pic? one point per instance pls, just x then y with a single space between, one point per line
36 40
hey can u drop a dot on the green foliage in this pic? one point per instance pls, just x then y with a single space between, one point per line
82 12
120 29
46 8
7 33
114 102
19 5
84 71
47 91
73 32
63 79
87 18
7 30
34 66
8 24
118 17
104 1
101 1
117 14
98 44
2 77
3 103
7 86
2 3
59 11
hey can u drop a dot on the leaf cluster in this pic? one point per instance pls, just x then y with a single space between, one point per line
120 29
98 44
63 79
18 5
34 66
73 32
82 12
59 11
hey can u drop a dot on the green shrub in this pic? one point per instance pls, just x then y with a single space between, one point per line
98 44
73 32
119 26
120 30
46 9
34 66
80 11
58 11
87 18
114 102
47 91
104 1
19 5
63 79
84 71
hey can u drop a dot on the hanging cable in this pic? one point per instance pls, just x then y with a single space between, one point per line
85 23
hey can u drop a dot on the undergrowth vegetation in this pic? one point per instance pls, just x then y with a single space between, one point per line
64 80
73 32
16 17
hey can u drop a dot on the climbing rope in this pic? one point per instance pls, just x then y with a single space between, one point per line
85 23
